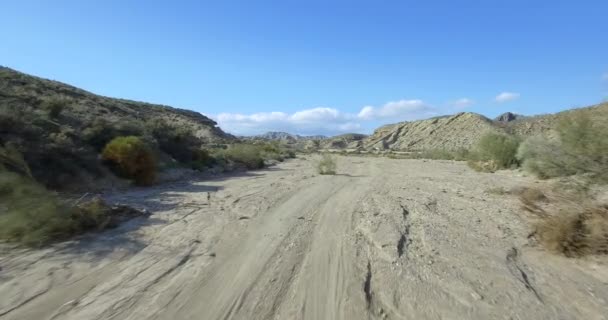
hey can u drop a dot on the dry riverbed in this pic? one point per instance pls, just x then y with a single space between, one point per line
383 239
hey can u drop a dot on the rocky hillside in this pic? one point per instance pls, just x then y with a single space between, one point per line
286 137
82 108
542 124
508 117
343 141
455 132
60 130
463 130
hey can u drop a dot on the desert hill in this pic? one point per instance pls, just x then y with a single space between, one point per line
60 130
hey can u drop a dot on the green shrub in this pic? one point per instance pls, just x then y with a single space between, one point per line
327 165
33 216
54 107
272 156
11 159
101 132
581 147
131 158
245 154
202 159
495 151
177 141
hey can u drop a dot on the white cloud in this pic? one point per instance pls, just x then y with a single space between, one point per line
506 96
397 110
461 103
323 120
318 114
309 121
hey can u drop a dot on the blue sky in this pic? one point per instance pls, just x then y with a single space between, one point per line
323 67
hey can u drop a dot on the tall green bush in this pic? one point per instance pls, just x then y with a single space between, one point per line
177 141
581 147
245 154
498 148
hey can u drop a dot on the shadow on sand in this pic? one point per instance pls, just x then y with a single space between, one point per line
165 197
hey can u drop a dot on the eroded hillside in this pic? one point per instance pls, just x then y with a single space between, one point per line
460 131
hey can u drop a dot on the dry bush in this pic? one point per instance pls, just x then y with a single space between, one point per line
131 158
575 230
499 191
327 165
569 224
483 165
530 198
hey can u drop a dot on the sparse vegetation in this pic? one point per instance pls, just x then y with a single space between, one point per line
581 148
499 191
11 159
568 224
177 141
54 107
48 219
131 158
442 154
247 155
251 156
327 165
101 132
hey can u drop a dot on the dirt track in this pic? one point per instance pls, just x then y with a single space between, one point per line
384 239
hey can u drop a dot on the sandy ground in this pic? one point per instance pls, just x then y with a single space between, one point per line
383 239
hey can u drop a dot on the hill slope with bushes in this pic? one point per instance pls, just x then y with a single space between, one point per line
58 131
464 130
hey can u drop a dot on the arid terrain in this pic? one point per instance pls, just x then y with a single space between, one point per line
382 239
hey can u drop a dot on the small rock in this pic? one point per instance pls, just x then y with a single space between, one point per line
476 296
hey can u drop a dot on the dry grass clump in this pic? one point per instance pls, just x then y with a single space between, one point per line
483 165
327 165
568 224
442 154
499 191
531 197
131 158
575 231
